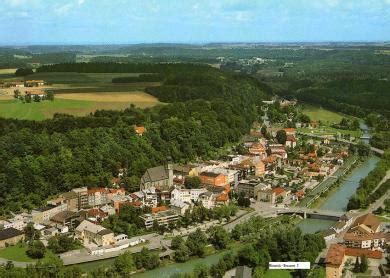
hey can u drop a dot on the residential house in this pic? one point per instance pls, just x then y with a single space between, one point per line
10 236
180 172
163 218
267 195
139 130
67 218
335 259
179 207
213 179
44 214
207 199
82 197
160 177
109 210
97 196
291 141
90 233
258 149
34 83
365 233
71 200
187 195
250 187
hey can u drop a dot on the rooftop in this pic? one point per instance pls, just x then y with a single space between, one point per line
10 233
335 255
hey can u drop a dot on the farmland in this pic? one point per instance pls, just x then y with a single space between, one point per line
77 94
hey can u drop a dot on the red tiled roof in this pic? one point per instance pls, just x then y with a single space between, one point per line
223 197
289 129
97 189
335 255
278 190
139 129
358 252
158 209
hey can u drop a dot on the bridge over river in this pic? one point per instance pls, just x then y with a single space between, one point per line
313 213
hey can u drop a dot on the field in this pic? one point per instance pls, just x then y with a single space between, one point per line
77 94
15 253
277 273
327 118
323 115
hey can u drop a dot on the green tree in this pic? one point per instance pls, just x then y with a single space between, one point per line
356 267
281 136
192 182
218 237
196 242
124 264
36 250
182 253
176 242
363 264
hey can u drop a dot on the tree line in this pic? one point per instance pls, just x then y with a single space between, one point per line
364 195
41 159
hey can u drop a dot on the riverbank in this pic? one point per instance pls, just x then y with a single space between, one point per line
321 200
337 199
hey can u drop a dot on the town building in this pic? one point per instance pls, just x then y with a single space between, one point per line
250 187
179 207
213 179
163 218
43 214
160 177
90 233
365 233
335 259
10 236
187 195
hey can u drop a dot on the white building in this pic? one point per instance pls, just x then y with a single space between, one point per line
179 207
187 195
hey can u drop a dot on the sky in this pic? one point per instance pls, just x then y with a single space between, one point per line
192 21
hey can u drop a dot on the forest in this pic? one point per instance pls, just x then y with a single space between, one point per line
41 159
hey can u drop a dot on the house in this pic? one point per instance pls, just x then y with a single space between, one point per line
139 130
180 172
109 210
82 197
291 141
335 259
187 195
280 192
250 187
162 217
44 214
118 200
34 83
267 195
18 222
257 149
160 177
207 199
71 200
89 232
67 218
222 199
278 150
97 196
290 131
179 207
214 179
10 236
365 233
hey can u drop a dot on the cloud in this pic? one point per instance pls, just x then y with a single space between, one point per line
64 9
15 3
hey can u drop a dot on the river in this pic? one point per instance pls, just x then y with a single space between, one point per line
338 200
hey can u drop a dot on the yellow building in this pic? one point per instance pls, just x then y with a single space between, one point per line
335 259
90 233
